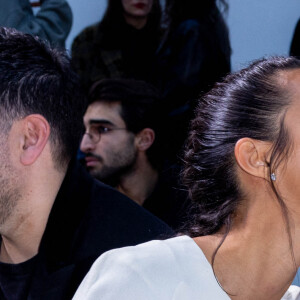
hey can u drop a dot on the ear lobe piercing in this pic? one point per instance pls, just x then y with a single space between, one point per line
273 176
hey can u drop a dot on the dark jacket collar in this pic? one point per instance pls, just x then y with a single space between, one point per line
68 209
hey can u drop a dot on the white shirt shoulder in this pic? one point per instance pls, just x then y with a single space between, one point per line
293 293
173 269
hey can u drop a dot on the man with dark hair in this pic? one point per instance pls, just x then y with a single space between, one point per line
123 146
55 220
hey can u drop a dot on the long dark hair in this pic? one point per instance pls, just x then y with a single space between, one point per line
209 16
113 16
178 10
250 103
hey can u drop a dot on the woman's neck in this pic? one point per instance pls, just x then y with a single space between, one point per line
137 23
256 260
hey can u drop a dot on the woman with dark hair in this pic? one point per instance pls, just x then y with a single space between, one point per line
194 54
123 44
242 168
295 44
195 51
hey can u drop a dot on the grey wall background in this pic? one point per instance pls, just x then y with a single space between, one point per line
84 13
261 27
257 27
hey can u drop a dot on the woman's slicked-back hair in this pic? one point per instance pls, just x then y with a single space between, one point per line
251 103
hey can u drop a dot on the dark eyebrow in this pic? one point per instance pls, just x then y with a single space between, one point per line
100 121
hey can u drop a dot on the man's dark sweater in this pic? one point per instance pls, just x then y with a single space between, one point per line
87 219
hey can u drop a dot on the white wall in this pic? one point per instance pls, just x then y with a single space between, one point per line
261 27
257 27
84 13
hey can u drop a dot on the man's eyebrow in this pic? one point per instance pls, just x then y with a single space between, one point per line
100 121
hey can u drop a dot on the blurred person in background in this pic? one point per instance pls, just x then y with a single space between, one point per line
194 54
295 45
124 147
123 44
52 22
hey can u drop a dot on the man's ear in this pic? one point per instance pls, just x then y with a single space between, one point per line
36 131
145 139
251 156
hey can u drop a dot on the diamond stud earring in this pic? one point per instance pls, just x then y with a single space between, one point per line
273 176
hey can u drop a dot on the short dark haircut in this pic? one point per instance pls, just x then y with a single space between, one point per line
38 79
139 108
251 103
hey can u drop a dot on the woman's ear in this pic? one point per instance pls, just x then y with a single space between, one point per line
251 156
145 138
35 135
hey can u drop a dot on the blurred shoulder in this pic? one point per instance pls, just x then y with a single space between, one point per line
188 25
87 35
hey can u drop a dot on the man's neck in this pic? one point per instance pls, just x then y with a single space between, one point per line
23 231
139 185
14 253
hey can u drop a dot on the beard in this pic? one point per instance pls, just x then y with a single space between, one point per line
9 197
112 175
9 192
116 165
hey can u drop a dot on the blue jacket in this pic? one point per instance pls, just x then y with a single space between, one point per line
52 22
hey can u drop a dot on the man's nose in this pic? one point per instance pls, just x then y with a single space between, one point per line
86 144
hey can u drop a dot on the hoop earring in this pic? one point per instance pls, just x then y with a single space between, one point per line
273 176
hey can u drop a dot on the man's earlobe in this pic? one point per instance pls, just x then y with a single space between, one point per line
36 131
145 139
250 155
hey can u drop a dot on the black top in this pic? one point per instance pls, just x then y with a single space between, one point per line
295 45
169 200
192 57
15 279
87 219
126 52
138 47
